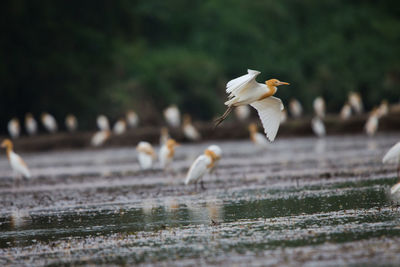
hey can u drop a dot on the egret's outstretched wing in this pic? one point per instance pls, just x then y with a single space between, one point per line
197 170
393 154
235 86
270 112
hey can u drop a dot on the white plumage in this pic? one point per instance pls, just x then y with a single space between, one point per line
166 153
345 113
203 164
189 130
17 164
256 137
318 127
242 112
49 122
393 155
100 137
14 128
371 126
30 124
146 155
132 119
119 127
356 102
102 123
71 123
172 116
319 107
295 108
246 91
164 135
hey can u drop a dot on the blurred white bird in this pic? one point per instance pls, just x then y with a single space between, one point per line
295 108
256 137
146 155
393 155
383 109
284 116
102 123
14 128
218 151
164 135
71 123
189 130
173 116
318 126
246 91
132 118
345 113
30 124
49 122
119 127
319 107
203 164
100 137
17 163
355 102
242 112
166 154
371 126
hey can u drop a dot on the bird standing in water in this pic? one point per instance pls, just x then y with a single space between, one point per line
189 130
393 155
30 124
164 135
100 137
203 164
246 91
319 107
371 126
17 163
318 126
166 154
146 155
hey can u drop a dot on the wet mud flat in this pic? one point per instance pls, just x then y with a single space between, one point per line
300 201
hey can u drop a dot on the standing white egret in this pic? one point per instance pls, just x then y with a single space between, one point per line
164 135
14 128
71 123
119 127
383 109
30 124
295 108
173 116
132 118
166 153
17 163
203 164
103 123
355 102
189 130
49 122
146 155
345 113
256 137
242 112
393 155
318 126
319 107
100 137
371 126
246 91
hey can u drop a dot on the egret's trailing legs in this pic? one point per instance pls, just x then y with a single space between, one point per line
223 117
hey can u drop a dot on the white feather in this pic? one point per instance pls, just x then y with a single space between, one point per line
198 169
393 155
173 116
31 126
102 123
165 161
270 112
318 127
145 160
18 165
191 133
235 85
50 123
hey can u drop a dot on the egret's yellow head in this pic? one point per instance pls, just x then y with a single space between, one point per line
275 82
171 143
7 144
253 127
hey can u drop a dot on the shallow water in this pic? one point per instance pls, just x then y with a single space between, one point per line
300 201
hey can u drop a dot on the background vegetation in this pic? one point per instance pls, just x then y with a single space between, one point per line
91 57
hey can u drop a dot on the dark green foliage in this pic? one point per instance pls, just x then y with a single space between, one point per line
90 57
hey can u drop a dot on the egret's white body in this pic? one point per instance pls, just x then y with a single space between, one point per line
102 123
173 116
17 163
146 155
100 137
119 127
30 124
132 119
164 135
202 165
383 109
318 126
371 126
319 107
71 123
295 108
345 113
14 128
242 112
49 122
393 155
256 137
189 130
355 102
246 91
166 153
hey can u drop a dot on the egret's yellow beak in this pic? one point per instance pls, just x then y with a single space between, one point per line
283 83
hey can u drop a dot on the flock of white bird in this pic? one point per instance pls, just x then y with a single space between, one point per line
242 92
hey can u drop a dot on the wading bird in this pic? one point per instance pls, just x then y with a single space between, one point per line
119 127
202 165
146 155
49 122
100 138
246 91
14 128
295 108
256 137
319 107
30 124
218 151
318 127
393 155
345 113
164 135
242 112
383 109
132 118
371 126
173 116
189 130
102 123
355 102
167 152
17 163
71 123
